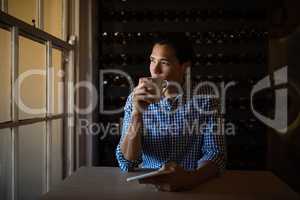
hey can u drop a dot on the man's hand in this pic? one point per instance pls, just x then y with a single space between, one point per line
143 95
176 179
179 179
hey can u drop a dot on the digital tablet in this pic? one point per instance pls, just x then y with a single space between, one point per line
147 175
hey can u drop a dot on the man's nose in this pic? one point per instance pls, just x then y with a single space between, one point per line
157 68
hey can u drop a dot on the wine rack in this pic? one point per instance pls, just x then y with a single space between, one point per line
230 45
175 16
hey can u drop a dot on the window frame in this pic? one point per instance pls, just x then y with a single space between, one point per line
19 28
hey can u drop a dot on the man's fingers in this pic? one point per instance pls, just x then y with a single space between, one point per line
150 86
146 98
141 85
143 88
140 91
142 94
170 166
143 80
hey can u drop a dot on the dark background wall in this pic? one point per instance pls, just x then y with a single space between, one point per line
241 41
284 43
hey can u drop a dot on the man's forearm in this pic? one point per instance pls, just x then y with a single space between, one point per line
131 145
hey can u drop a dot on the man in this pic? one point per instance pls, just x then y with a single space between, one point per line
165 132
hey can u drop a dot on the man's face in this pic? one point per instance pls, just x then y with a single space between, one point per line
165 65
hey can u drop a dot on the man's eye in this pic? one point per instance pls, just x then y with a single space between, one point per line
165 63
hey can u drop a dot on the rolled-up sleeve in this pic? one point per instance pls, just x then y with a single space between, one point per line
125 164
214 143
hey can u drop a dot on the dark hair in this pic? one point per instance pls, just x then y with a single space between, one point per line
180 43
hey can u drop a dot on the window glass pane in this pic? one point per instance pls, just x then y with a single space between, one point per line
32 88
57 81
56 152
5 164
23 10
31 163
5 75
53 17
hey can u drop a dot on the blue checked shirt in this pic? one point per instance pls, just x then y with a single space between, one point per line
183 130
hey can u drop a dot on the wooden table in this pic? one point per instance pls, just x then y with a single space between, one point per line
109 183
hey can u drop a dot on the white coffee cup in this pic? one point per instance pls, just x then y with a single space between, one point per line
160 85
